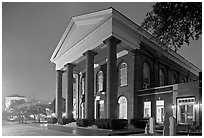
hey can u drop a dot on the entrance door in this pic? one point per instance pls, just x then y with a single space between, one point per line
186 111
122 107
99 108
82 111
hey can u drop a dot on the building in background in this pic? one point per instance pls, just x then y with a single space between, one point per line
121 71
12 99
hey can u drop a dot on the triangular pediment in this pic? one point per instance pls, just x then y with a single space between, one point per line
88 31
80 27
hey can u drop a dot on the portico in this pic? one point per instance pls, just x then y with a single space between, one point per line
90 40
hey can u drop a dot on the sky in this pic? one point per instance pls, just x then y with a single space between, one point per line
31 32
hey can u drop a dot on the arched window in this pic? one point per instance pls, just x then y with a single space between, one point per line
161 77
173 80
146 76
123 74
122 101
100 81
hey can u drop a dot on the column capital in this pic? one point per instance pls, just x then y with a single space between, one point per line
69 64
135 52
89 52
112 40
60 71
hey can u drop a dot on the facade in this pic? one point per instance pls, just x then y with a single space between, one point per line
13 98
121 71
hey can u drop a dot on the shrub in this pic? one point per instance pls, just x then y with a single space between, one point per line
103 123
52 120
139 122
111 123
118 123
85 122
64 121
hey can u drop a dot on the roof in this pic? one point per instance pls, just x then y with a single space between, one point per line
15 95
86 32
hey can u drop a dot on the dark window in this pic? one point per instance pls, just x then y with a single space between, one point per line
146 76
161 78
123 74
173 80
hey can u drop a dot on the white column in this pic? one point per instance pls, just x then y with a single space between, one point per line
172 126
152 125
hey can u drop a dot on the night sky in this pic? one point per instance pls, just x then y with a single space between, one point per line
31 31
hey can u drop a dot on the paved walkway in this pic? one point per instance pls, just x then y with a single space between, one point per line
17 129
35 129
93 130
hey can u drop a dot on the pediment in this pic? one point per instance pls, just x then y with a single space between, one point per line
79 27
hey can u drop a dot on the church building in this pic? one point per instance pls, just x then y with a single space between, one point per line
116 69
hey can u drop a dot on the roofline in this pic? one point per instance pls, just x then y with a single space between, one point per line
157 42
69 26
138 28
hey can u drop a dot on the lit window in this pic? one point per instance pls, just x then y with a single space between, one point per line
173 81
123 74
160 111
122 101
100 81
146 76
161 77
147 109
83 85
186 108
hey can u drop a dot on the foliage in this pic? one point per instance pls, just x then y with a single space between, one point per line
52 120
139 122
85 122
175 23
111 123
64 121
29 108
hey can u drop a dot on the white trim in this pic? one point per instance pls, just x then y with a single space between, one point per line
155 93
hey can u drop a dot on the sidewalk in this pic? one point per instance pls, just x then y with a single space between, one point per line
93 130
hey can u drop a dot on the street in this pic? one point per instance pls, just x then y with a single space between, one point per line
18 129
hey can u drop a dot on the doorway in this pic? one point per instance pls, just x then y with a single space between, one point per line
99 108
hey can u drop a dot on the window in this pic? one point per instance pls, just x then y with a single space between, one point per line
100 81
173 80
146 76
147 109
123 74
160 111
186 110
161 77
83 86
122 101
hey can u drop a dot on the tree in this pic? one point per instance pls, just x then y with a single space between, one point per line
175 23
26 109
